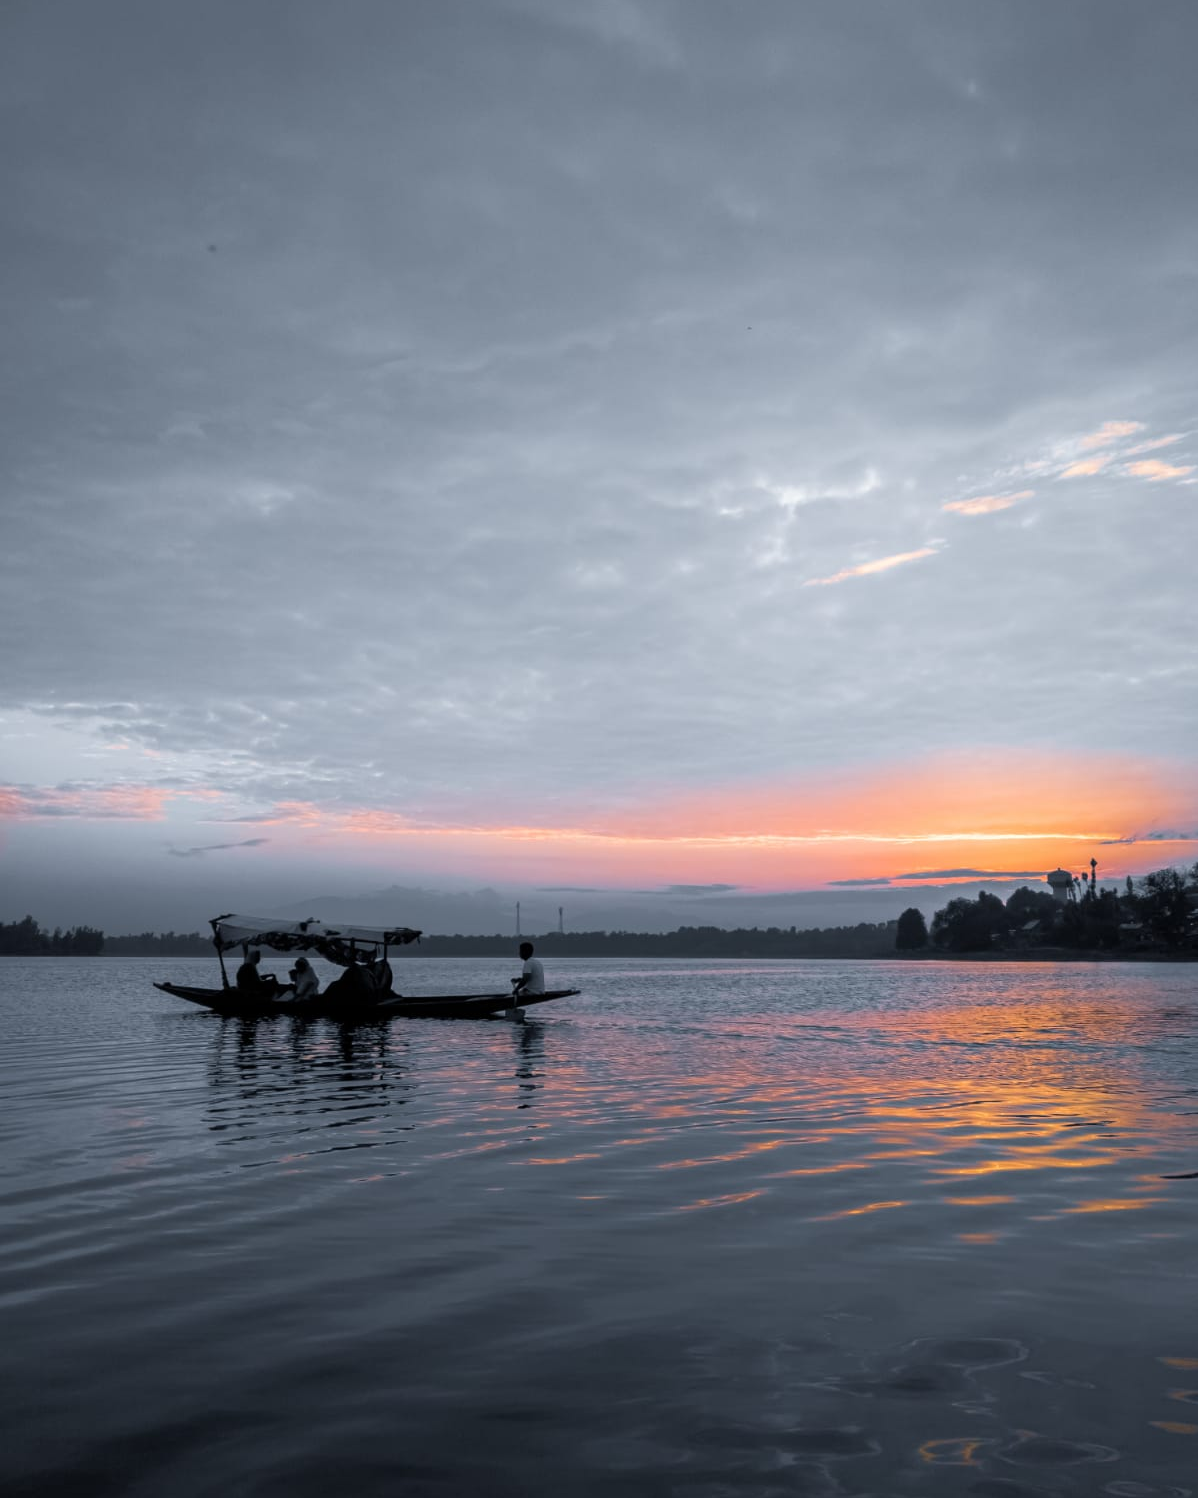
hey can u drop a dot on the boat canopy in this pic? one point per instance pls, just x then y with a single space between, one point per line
338 943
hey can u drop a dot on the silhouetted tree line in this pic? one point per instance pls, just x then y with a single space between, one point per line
1158 913
159 944
27 939
864 940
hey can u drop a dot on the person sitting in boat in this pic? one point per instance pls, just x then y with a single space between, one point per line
304 981
373 977
354 987
252 981
532 979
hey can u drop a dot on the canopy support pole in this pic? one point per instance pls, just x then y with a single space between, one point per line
220 956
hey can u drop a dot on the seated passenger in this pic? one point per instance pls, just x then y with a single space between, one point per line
252 981
353 987
381 976
304 981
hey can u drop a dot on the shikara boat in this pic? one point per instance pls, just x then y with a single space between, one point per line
357 995
229 1001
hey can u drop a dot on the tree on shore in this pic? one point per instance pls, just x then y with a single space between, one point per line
912 932
1164 905
970 925
1028 904
1159 910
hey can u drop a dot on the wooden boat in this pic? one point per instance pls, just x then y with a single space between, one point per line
232 1002
362 952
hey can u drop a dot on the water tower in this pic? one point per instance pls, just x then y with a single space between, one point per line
1061 883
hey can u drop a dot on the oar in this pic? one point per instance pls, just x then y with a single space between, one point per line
513 1011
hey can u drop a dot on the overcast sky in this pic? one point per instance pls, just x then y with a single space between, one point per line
608 446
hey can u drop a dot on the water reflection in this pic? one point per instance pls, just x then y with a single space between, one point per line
805 1229
309 1066
530 1053
974 1115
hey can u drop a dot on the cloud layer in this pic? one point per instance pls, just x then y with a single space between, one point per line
518 416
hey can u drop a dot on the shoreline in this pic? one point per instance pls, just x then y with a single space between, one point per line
1031 955
1049 954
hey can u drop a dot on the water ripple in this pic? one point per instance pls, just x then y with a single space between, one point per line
736 1228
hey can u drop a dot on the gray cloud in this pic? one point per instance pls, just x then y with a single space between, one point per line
669 889
250 842
700 889
974 874
923 875
1151 837
570 889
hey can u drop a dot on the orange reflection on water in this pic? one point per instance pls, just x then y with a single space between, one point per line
861 1211
819 1170
978 1201
953 1451
1116 1204
907 1154
563 1159
1175 1427
1022 1095
731 1199
760 1148
1042 1162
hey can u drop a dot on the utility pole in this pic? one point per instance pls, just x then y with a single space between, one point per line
561 923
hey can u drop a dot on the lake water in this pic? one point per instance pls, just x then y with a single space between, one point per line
709 1229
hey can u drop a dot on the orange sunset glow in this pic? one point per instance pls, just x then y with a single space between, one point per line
1003 815
1011 814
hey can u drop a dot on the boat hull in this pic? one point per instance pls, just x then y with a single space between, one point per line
233 1003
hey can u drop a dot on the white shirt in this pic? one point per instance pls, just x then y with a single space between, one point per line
307 984
534 976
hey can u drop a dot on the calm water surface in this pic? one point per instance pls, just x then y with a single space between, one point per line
710 1229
